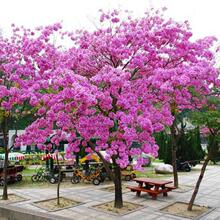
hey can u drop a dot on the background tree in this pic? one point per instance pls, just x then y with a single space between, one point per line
215 151
164 142
190 148
188 144
207 117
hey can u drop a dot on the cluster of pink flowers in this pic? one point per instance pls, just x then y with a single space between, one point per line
116 85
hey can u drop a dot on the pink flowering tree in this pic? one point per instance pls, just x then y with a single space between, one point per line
11 99
13 94
106 107
185 79
22 61
120 84
165 63
97 94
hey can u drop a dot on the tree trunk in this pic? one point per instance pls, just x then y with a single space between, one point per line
77 159
174 147
47 160
116 176
5 187
191 202
5 139
118 187
175 173
59 181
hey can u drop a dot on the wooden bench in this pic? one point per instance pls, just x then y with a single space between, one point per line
170 188
167 189
151 192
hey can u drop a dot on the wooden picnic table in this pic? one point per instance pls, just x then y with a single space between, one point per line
151 186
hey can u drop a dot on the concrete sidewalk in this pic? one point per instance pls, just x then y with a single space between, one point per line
91 195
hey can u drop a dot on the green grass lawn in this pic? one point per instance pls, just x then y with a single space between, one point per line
27 183
156 160
28 172
152 174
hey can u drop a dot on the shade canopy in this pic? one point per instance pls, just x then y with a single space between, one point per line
54 156
90 157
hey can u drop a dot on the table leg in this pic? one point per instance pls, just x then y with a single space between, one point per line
140 184
154 196
138 193
165 192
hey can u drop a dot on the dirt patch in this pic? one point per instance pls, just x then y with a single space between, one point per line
12 198
112 189
51 204
127 208
180 209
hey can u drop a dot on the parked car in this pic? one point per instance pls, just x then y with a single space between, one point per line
14 174
183 166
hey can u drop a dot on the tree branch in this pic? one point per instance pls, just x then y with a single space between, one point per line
105 162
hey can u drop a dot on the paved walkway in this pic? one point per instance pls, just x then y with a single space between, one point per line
91 195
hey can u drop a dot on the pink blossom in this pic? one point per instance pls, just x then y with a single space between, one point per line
117 85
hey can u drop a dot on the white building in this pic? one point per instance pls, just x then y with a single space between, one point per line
11 138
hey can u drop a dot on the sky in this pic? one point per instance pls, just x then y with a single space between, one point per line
203 15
